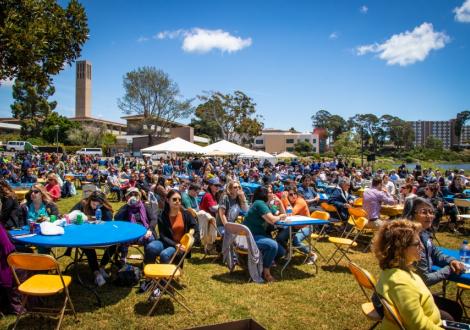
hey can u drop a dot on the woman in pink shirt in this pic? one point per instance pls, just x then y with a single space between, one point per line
53 187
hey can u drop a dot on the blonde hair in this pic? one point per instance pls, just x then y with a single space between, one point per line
46 197
391 241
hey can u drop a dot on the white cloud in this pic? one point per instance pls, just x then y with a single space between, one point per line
408 47
462 13
333 35
142 39
7 82
364 9
199 40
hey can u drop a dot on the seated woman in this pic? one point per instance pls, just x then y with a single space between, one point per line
10 207
299 206
231 202
97 200
209 200
257 219
422 212
136 211
39 203
173 223
457 187
397 246
441 207
53 187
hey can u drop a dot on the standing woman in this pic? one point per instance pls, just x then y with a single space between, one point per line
397 246
53 187
257 219
231 202
97 200
10 207
160 191
173 223
422 212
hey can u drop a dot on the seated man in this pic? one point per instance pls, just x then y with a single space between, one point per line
341 198
28 176
189 198
372 202
113 182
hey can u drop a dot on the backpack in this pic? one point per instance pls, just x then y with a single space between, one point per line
128 276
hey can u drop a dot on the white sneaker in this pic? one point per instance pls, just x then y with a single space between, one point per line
99 279
155 294
312 259
104 274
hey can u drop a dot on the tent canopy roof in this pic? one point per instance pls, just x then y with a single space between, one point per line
176 145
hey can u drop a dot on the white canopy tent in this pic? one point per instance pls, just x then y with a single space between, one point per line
286 154
228 147
176 145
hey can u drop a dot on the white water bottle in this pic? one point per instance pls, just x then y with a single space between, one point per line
465 252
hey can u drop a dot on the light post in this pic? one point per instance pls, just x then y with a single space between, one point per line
57 138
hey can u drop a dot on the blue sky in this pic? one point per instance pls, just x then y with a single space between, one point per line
405 58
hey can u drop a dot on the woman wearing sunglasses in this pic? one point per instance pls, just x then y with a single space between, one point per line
89 205
231 202
173 223
39 203
422 212
397 246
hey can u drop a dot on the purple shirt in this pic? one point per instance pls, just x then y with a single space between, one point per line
372 202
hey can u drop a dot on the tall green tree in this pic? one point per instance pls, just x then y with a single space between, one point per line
39 37
334 124
151 93
433 143
462 118
57 127
401 133
303 147
347 144
371 129
31 105
234 114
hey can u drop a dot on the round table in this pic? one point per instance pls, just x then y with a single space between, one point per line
21 193
392 210
106 233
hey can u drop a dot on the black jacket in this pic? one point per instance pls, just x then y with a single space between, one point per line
10 214
166 233
123 214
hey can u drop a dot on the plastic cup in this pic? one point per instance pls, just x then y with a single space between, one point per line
52 218
79 220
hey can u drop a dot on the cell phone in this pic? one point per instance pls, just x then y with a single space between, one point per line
455 325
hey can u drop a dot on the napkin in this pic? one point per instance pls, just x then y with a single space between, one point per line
49 229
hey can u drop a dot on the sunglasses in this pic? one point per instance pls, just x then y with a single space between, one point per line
292 194
176 199
35 192
415 244
236 187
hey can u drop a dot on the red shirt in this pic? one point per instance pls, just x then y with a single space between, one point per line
54 191
207 202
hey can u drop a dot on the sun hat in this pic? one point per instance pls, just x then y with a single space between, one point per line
133 190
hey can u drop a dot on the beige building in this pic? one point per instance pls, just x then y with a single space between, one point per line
277 141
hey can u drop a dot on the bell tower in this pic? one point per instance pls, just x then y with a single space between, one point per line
83 89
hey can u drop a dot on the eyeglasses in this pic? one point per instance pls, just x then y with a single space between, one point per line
176 199
426 212
416 244
35 192
292 194
236 187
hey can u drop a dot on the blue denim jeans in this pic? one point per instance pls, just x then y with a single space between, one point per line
152 249
270 249
297 239
166 254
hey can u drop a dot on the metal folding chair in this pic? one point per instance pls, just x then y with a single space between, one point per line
41 285
163 274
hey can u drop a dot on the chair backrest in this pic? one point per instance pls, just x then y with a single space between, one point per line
358 202
187 241
391 313
363 277
32 261
461 202
192 212
320 215
236 229
328 207
357 212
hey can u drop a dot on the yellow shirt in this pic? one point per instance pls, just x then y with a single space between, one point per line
410 296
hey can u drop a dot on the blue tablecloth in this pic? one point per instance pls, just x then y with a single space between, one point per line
462 278
20 185
250 186
85 235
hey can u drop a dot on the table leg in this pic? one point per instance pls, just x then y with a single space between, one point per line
290 251
79 279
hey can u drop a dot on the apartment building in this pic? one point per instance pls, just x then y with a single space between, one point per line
442 129
277 141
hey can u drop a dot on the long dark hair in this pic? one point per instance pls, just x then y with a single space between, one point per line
5 190
412 204
96 196
166 208
261 193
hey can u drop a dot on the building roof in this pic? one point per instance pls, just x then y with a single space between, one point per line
131 117
10 126
97 120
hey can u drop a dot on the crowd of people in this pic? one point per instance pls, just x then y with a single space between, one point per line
168 197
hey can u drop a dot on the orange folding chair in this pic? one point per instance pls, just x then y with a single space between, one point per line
163 274
366 282
391 313
41 285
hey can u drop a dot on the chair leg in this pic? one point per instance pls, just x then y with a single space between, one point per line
62 312
23 304
374 325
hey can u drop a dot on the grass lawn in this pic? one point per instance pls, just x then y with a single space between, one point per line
302 300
